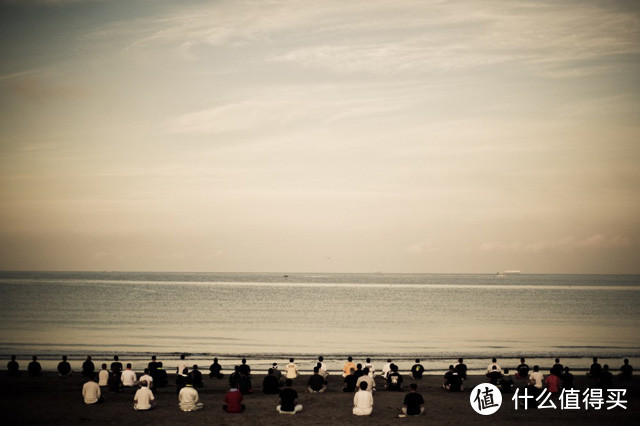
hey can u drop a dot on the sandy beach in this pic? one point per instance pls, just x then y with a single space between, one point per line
52 400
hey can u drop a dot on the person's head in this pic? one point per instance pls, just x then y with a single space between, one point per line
368 360
536 368
451 368
605 367
288 383
146 371
115 358
160 364
35 358
215 360
321 358
129 365
363 385
365 371
626 361
13 357
494 360
64 357
270 372
359 366
195 367
566 369
316 369
522 360
506 371
413 387
104 366
183 356
290 359
236 368
352 370
394 368
417 361
388 359
557 360
244 360
460 360
88 357
143 383
595 359
349 359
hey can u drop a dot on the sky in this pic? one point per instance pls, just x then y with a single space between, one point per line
335 136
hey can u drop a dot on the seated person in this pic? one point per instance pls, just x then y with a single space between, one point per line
363 401
417 370
358 371
413 404
595 370
233 402
276 371
557 368
153 365
146 377
452 381
506 382
291 370
103 376
188 398
143 399
160 378
567 379
91 391
196 377
371 384
350 382
13 368
494 375
245 368
490 369
288 400
606 378
316 383
34 368
88 368
522 371
626 370
461 369
348 366
536 381
128 377
271 384
244 384
394 380
553 383
215 370
64 368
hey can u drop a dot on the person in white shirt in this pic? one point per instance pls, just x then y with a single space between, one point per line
291 370
147 377
91 392
536 378
366 377
386 369
323 366
128 377
143 399
494 362
188 398
363 401
103 376
182 364
368 365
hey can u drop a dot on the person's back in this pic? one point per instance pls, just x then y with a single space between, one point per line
103 376
13 368
64 368
595 370
160 378
626 370
288 400
215 370
350 382
271 384
553 383
522 371
348 366
369 365
153 365
116 365
196 377
88 368
143 399
567 379
536 378
461 369
182 364
244 384
91 392
417 370
606 378
557 368
413 404
368 379
188 398
494 376
245 368
128 377
394 379
233 402
34 368
316 382
506 382
291 370
363 401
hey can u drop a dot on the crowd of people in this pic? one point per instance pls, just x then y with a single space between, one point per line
358 379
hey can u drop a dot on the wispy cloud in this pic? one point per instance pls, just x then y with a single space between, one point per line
567 244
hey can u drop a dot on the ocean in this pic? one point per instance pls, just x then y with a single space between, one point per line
271 317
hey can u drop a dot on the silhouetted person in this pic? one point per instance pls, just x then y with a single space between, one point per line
64 368
452 381
350 382
245 368
88 368
271 384
13 368
417 370
567 379
461 369
215 370
626 370
557 368
394 379
522 371
34 368
413 404
506 382
606 378
196 377
160 379
596 369
494 375
317 383
288 399
153 365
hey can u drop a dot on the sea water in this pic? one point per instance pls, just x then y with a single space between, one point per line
435 317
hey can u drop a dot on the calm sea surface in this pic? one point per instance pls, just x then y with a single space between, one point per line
272 316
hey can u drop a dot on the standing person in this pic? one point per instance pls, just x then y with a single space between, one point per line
626 370
413 404
128 377
394 379
91 392
64 368
182 364
233 402
317 383
88 368
363 401
417 370
369 365
143 399
103 376
34 368
116 372
288 399
461 369
348 366
522 371
215 370
291 370
188 398
13 368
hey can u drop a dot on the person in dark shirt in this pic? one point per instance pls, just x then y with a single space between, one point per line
606 378
596 369
494 375
116 365
215 370
160 379
234 378
244 384
417 370
452 381
522 371
271 384
394 379
316 383
358 371
413 404
289 399
567 379
13 368
350 382
182 380
557 368
196 377
506 382
461 369
626 370
153 365
64 368
245 368
88 368
34 368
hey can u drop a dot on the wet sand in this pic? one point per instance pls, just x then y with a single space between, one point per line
52 400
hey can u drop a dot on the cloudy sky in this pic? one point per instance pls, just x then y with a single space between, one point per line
345 136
